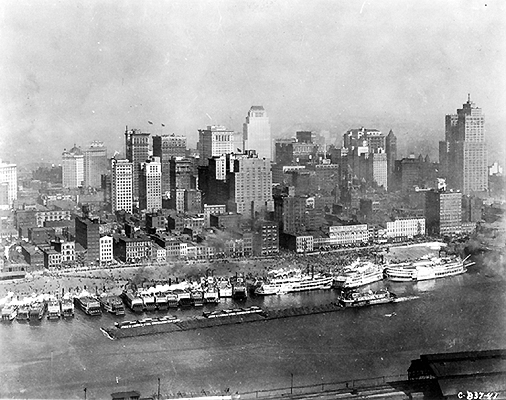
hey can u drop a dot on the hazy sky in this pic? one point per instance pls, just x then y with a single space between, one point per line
76 71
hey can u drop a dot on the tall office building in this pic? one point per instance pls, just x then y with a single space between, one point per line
443 212
88 236
373 139
465 159
257 132
166 147
95 164
9 185
217 140
150 185
380 168
251 185
137 152
72 168
182 173
391 150
121 185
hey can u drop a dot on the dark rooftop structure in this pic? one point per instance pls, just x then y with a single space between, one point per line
472 371
130 395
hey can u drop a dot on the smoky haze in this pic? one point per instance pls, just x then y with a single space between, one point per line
76 71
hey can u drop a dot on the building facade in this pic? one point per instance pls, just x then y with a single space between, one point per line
217 140
106 249
95 164
257 132
465 153
380 168
150 185
251 186
137 152
88 236
443 212
166 147
72 168
9 181
121 185
405 228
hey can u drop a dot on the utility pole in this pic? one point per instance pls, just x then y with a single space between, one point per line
291 383
84 393
158 388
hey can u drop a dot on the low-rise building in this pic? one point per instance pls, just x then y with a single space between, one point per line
106 249
52 258
132 250
405 228
33 256
297 243
66 249
158 253
356 234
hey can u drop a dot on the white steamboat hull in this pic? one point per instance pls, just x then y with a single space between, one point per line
293 287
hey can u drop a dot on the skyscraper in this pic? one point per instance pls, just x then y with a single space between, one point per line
380 168
88 236
443 212
150 185
257 132
72 168
217 140
121 185
251 185
391 150
466 157
166 147
95 164
9 182
137 152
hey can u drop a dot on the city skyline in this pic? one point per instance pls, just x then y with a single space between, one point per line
206 63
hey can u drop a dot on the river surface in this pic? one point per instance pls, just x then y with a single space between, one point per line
58 359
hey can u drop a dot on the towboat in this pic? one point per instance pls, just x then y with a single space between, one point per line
354 298
197 298
88 304
148 301
132 301
224 289
37 310
239 291
53 309
9 311
112 303
172 300
67 306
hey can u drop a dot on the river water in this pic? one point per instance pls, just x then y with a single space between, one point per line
58 359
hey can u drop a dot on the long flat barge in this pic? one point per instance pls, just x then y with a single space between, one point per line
216 318
166 324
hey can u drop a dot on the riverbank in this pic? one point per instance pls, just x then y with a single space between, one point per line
114 279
